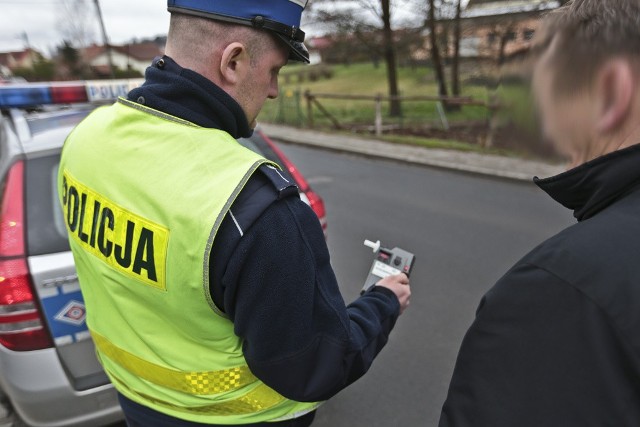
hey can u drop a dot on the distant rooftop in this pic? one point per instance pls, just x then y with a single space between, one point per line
144 51
6 58
483 8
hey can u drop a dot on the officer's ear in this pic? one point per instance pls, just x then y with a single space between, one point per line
235 63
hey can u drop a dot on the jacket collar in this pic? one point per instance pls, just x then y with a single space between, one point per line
591 187
188 95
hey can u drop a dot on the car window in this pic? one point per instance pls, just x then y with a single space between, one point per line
264 149
247 143
48 121
258 145
46 232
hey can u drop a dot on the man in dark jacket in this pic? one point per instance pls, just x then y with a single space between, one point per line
556 341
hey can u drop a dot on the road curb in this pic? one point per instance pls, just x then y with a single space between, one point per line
475 163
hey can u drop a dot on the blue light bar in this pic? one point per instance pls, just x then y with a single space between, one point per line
24 96
38 94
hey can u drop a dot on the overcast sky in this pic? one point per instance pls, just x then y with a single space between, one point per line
40 19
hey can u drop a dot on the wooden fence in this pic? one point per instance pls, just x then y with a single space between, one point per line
442 103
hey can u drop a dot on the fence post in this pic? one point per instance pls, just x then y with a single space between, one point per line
280 115
299 115
443 116
378 123
309 98
493 121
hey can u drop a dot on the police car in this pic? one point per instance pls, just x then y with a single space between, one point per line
49 375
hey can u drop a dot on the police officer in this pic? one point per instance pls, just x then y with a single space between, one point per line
209 291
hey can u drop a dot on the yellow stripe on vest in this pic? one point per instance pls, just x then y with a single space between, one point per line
259 399
196 382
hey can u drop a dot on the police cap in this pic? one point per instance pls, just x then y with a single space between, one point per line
281 17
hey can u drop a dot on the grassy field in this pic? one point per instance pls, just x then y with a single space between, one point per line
364 79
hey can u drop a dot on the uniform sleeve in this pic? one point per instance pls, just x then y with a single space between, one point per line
541 353
282 295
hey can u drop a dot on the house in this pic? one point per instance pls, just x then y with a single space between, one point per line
10 61
492 31
318 48
347 48
4 72
499 29
133 56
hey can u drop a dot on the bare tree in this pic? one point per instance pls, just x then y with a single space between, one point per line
70 58
76 22
501 33
455 63
435 50
390 59
363 19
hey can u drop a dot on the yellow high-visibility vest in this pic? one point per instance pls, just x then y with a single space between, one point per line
143 195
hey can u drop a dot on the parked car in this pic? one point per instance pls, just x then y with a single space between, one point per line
49 375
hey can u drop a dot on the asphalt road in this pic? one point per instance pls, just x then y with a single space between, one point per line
465 230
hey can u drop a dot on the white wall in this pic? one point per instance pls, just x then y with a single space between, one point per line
314 57
469 47
120 60
5 71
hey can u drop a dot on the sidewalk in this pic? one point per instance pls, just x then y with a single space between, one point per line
484 164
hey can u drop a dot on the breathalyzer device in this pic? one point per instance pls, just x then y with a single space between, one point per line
387 262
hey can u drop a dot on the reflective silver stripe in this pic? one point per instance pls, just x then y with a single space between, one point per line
236 223
23 308
214 231
278 172
297 414
18 327
156 113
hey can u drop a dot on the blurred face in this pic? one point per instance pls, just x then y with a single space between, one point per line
262 80
566 118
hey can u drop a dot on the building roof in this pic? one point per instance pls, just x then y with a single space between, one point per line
9 59
320 43
145 51
89 53
486 8
471 3
142 51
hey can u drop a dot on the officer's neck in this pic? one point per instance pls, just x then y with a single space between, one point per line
190 96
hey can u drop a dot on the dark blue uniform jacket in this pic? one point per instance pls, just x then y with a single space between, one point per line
556 342
270 267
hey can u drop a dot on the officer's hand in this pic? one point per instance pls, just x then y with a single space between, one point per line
399 285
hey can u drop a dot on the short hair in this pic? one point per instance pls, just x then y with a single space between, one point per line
586 33
196 36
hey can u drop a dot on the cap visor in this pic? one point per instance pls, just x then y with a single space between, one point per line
298 51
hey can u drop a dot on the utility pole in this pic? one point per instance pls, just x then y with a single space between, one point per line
105 39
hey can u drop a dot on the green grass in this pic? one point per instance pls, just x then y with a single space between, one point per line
365 79
362 79
519 106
